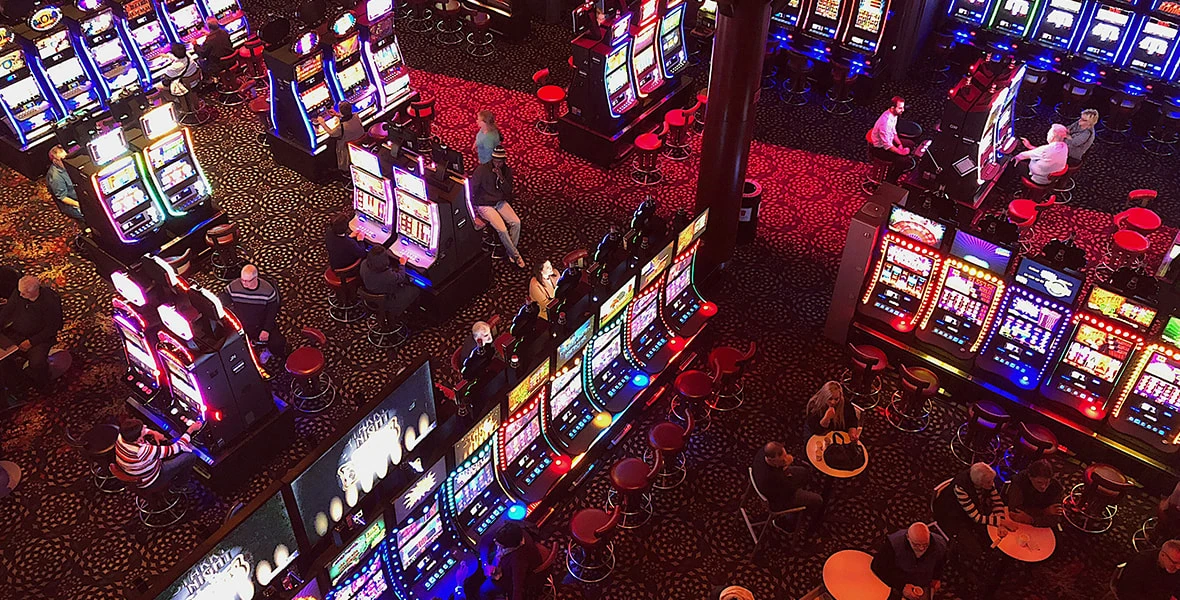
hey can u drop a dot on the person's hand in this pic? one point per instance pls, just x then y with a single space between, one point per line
193 427
401 260
912 592
1020 517
1027 145
1056 510
263 335
829 414
155 435
357 235
25 345
854 434
903 151
1008 524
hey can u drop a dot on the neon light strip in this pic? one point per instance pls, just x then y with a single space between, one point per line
312 140
134 52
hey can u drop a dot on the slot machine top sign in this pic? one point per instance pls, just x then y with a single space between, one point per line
916 227
88 4
344 24
45 19
306 43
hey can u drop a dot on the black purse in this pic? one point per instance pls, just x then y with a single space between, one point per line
843 454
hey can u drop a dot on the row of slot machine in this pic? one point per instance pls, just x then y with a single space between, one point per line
75 59
395 506
834 29
1136 40
1034 331
354 56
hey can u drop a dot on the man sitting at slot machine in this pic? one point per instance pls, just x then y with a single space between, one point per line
146 454
1044 160
481 339
180 75
381 275
256 303
31 319
1034 496
885 144
61 187
343 245
491 188
214 47
509 565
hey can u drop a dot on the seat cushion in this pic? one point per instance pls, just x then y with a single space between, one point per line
649 142
675 118
1106 475
726 359
1022 209
1038 435
877 353
585 523
1143 219
1130 241
926 375
630 475
551 93
990 411
332 279
100 439
694 384
666 437
305 362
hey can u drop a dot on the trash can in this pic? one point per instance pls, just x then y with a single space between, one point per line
748 217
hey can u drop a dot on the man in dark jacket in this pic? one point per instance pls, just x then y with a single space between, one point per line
491 189
1151 575
32 319
380 275
343 245
216 46
510 567
782 483
256 303
910 561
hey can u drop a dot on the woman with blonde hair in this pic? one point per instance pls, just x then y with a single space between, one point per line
829 411
488 136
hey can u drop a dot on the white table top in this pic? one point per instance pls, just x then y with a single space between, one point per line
817 461
1026 544
7 347
847 576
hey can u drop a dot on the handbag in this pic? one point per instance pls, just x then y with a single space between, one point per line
843 454
177 88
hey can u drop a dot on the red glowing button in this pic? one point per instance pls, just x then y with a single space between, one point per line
561 465
708 309
677 343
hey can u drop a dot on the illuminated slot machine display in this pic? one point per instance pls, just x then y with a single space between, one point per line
108 50
527 465
788 17
1035 313
143 375
183 19
570 421
998 137
347 581
970 12
1106 35
231 17
1148 405
1013 18
167 148
475 500
1059 25
147 32
603 89
901 285
1153 50
47 40
29 115
426 552
647 72
299 94
417 221
863 33
381 51
620 81
1104 336
120 206
349 75
372 197
685 311
824 21
673 53
612 379
649 341
967 296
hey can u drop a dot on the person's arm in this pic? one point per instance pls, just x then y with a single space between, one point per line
972 511
226 299
826 420
1015 497
51 323
884 566
519 580
60 187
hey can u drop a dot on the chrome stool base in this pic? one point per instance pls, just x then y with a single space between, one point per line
312 399
671 475
967 455
633 517
909 423
862 400
589 567
1083 522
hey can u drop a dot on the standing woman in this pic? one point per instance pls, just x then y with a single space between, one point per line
829 411
488 136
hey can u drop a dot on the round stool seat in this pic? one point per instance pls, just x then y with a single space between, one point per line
585 525
379 132
989 411
1039 436
1106 474
630 475
482 21
222 235
305 362
726 359
551 93
694 384
648 142
927 376
667 438
100 440
877 353
703 97
1022 210
259 105
1142 219
332 279
1130 241
908 130
675 118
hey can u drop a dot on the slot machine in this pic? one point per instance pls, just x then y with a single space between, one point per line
1106 35
147 32
232 18
46 40
426 553
788 16
1104 335
1014 18
824 21
29 114
299 93
527 465
430 235
1057 28
966 297
909 259
172 166
603 89
122 210
569 420
372 197
647 72
1033 317
368 578
476 501
970 12
106 47
183 20
136 328
673 53
1152 53
649 341
1148 405
865 28
612 379
383 54
348 73
685 311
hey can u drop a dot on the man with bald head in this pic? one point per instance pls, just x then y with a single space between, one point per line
255 301
782 483
31 319
910 562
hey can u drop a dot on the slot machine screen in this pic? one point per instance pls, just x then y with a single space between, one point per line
364 159
825 18
1171 332
136 349
308 68
869 14
608 352
477 435
375 9
352 76
655 266
1105 36
971 12
530 429
966 296
981 252
317 96
176 173
1012 17
566 387
916 227
386 57
20 92
645 59
218 7
118 178
670 22
369 583
693 231
98 24
347 46
65 75
467 491
616 303
1118 307
678 279
168 150
414 220
525 388
416 537
574 343
187 17
1098 352
149 34
1160 381
1030 324
182 383
370 197
53 44
1153 48
412 184
11 62
789 15
646 310
1057 25
126 200
414 497
1049 282
616 80
352 555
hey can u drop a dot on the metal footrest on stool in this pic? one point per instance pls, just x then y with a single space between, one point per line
395 335
1142 538
645 177
345 313
480 47
421 23
314 396
1087 523
679 152
590 566
633 517
910 423
105 481
165 509
678 410
671 474
862 400
968 455
728 399
225 264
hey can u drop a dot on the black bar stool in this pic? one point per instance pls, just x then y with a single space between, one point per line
978 440
159 505
480 42
796 88
224 257
1161 139
98 447
449 29
1120 115
910 407
862 381
384 332
343 305
631 481
1074 94
420 16
1034 442
668 439
1029 97
838 99
1091 506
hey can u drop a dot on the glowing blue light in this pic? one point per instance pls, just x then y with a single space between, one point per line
640 380
1024 379
517 512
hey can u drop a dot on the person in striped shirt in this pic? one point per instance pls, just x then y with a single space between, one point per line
967 505
146 454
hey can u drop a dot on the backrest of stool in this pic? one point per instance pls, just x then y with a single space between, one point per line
315 336
422 109
609 527
349 272
548 557
912 382
860 359
1141 197
576 258
374 301
540 76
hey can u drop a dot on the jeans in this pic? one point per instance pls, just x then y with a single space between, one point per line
172 468
897 163
504 220
38 371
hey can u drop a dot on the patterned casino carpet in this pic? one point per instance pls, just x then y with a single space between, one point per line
62 540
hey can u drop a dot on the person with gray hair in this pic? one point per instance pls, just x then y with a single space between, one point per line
1151 574
1049 158
31 319
967 505
1081 134
910 561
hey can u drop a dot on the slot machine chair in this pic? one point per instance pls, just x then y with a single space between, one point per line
1074 94
1031 190
1023 214
224 257
699 110
631 481
1143 220
1028 99
759 529
1141 197
490 240
385 330
590 552
646 170
669 439
312 390
838 99
250 56
728 365
799 67
942 46
878 170
676 124
97 446
227 80
1120 114
159 506
694 390
421 113
1092 505
1033 442
419 20
1162 137
702 43
551 98
343 305
862 380
480 42
1126 247
910 407
771 64
193 111
1065 185
978 440
449 29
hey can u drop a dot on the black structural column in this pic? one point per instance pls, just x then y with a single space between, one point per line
739 46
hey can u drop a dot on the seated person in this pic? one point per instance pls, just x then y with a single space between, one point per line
1034 496
782 484
256 303
146 454
1167 525
9 277
31 319
61 187
481 337
885 144
343 245
967 505
1081 135
216 46
510 567
381 275
910 562
542 286
182 72
1044 160
491 189
829 411
1151 575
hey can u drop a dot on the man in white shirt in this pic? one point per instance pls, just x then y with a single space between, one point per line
885 145
1048 159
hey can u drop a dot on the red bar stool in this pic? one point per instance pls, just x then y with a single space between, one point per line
647 151
1023 214
676 124
1092 505
1038 191
668 439
159 505
728 365
343 305
250 55
311 387
480 40
862 380
378 132
910 407
838 99
702 105
978 440
1126 248
878 170
420 16
223 242
1141 197
551 97
449 29
631 481
1034 442
1143 220
421 115
694 388
228 81
590 553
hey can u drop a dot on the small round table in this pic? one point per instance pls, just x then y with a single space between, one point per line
10 474
847 576
1027 544
813 454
